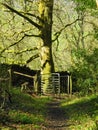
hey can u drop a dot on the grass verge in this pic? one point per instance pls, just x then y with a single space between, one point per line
82 113
23 110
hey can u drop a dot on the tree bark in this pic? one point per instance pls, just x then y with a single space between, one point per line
47 65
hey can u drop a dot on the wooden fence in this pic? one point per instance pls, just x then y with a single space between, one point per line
64 83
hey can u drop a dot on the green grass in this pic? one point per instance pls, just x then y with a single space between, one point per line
27 112
25 109
82 113
27 103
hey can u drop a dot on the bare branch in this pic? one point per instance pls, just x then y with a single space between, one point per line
12 44
25 35
32 58
23 16
57 34
32 35
26 50
37 17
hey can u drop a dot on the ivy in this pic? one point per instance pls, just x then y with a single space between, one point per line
85 4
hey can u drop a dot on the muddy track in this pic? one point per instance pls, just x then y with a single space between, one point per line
55 118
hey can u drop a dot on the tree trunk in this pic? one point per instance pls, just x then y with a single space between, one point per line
47 65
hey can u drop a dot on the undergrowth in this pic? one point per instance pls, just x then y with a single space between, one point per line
27 111
24 109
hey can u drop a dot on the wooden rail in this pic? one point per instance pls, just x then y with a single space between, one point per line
26 75
4 79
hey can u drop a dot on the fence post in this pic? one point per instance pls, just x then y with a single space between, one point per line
68 83
70 80
10 78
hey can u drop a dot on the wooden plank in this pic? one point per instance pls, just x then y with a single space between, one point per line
15 72
4 79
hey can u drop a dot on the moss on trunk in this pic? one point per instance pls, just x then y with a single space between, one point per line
47 65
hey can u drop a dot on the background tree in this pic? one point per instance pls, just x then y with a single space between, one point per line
84 75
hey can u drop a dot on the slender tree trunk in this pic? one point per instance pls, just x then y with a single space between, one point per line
47 65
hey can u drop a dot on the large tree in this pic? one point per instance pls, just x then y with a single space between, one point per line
44 25
47 65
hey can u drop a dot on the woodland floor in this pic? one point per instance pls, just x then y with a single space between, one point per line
79 114
55 118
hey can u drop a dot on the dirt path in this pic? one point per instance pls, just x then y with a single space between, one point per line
55 118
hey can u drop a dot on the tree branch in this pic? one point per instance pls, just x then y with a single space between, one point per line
23 16
23 51
57 34
12 44
32 58
25 35
37 17
32 35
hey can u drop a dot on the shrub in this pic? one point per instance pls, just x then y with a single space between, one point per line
85 74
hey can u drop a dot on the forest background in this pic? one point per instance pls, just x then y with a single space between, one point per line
74 39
